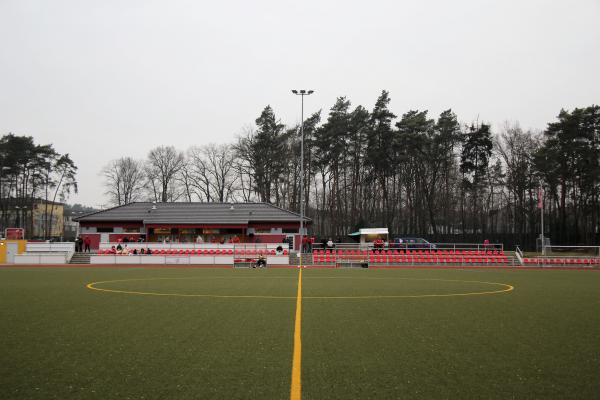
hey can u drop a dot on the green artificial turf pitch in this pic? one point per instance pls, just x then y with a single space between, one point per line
61 340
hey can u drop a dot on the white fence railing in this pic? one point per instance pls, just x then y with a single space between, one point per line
174 259
50 247
46 253
414 246
42 258
196 246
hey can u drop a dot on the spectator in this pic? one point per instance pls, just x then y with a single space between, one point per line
119 247
113 250
486 244
135 252
148 251
125 239
378 244
87 242
142 251
80 243
330 244
262 261
279 250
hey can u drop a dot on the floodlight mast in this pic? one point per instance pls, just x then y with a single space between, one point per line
302 93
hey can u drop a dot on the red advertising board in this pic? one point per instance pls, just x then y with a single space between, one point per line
14 233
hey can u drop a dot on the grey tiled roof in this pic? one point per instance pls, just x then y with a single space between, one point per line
193 213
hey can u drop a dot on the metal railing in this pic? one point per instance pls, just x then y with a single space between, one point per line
414 260
195 246
563 261
519 255
410 246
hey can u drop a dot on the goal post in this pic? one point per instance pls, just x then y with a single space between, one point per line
572 251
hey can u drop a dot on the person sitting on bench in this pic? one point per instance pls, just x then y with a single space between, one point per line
261 261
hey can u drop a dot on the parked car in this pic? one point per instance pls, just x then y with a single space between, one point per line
412 243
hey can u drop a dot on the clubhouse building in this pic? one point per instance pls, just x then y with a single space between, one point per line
191 223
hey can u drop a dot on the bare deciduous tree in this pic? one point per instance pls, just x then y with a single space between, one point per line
212 171
124 180
162 167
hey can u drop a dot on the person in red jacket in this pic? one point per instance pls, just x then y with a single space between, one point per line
87 242
304 244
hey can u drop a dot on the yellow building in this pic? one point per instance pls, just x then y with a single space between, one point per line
33 216
50 212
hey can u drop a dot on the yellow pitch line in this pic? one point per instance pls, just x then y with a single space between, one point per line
92 287
508 288
296 389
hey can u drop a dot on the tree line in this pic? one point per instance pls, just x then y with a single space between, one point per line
30 172
413 173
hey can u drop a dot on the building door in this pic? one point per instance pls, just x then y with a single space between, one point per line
104 237
11 250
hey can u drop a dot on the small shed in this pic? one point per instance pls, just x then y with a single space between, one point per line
369 235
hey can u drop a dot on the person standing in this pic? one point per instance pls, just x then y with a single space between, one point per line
87 242
80 243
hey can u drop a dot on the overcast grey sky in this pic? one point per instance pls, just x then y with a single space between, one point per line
104 79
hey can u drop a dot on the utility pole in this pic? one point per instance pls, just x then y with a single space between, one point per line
541 207
302 93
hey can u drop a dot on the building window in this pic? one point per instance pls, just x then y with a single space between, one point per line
105 230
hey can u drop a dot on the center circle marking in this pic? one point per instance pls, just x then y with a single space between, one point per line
503 288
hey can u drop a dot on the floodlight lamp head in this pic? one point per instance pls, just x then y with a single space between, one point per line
295 91
311 91
302 91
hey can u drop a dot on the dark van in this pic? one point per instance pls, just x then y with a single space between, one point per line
412 243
